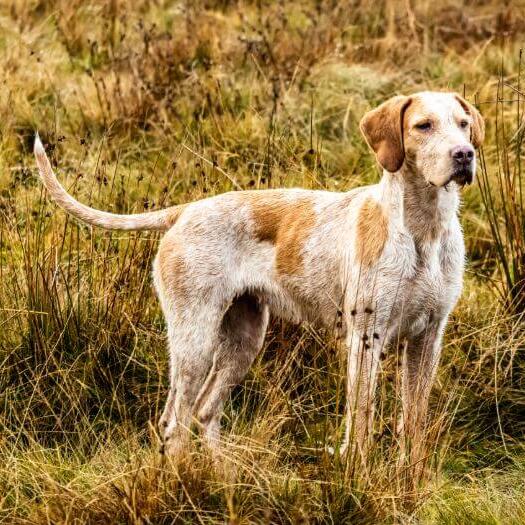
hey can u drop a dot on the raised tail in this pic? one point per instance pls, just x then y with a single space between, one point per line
155 220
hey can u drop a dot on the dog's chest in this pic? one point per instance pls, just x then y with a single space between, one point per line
435 283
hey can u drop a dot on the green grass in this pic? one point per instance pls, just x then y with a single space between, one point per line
140 104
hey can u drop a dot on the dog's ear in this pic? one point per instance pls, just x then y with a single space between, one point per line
383 130
477 130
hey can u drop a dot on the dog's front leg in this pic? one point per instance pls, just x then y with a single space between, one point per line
420 363
364 345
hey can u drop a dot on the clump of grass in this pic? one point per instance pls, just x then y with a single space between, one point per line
503 197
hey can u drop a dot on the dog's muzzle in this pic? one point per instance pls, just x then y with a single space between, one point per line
462 177
463 161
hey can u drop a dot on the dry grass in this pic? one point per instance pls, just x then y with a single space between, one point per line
271 93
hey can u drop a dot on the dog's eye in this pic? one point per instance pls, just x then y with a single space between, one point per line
463 124
424 126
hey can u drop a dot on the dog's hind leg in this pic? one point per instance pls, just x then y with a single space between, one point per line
192 346
241 337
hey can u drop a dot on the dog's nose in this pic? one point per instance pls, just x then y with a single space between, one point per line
462 154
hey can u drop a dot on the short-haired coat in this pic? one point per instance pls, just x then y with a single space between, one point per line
375 263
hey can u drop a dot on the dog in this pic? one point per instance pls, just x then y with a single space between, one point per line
377 264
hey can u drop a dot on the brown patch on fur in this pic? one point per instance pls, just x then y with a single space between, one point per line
416 107
372 233
383 130
285 223
172 268
477 130
173 214
432 232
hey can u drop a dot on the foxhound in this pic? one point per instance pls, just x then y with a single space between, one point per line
376 264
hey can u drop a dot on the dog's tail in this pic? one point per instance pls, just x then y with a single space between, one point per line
155 220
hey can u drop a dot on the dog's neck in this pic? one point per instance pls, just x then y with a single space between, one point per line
425 210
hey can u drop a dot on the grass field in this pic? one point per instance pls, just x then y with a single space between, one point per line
148 103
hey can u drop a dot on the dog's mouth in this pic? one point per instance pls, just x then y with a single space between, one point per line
461 177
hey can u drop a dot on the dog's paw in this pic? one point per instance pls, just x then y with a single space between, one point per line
337 451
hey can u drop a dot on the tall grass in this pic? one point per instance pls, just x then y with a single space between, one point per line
503 197
148 104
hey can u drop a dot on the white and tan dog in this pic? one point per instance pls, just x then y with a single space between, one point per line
378 263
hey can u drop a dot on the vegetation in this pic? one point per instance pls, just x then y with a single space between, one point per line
148 103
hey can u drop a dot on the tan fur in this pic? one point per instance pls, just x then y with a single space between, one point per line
416 107
371 234
173 214
172 267
287 224
382 129
294 235
478 124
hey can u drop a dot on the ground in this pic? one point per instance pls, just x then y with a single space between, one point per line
142 104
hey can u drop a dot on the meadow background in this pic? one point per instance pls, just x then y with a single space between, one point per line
142 104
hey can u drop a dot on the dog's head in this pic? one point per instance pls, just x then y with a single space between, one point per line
433 133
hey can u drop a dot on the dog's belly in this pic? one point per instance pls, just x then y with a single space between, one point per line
300 297
317 308
314 295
